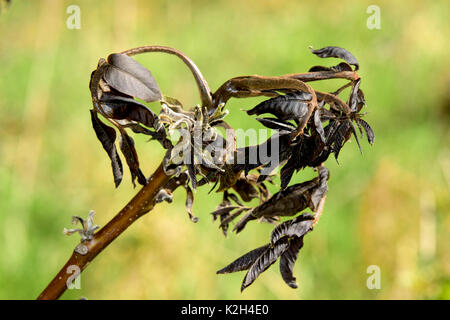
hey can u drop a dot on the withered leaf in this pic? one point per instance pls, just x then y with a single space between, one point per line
190 203
234 197
260 155
321 190
221 210
107 137
291 106
318 125
339 68
265 261
276 124
244 262
225 221
130 77
192 171
336 52
357 100
126 144
288 259
368 129
341 136
295 227
122 108
245 189
352 127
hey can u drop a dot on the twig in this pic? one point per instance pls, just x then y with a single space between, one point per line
141 203
205 92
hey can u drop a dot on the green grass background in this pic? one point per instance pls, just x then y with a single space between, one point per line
389 207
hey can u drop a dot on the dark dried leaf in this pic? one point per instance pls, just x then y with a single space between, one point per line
341 137
222 210
291 106
276 124
295 227
286 174
246 190
357 100
265 261
244 262
126 144
128 76
288 259
368 129
121 108
107 137
318 125
190 203
192 171
352 127
339 68
336 52
224 223
321 190
234 197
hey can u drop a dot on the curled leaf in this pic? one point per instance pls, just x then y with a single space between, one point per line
121 108
336 52
368 129
107 137
339 68
285 107
318 125
276 124
288 259
244 262
265 261
296 227
127 146
190 203
129 77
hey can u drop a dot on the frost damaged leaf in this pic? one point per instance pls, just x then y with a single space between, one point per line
295 227
127 146
244 262
318 125
130 77
276 124
265 261
291 106
321 190
357 100
190 203
339 68
107 137
336 52
368 129
121 108
287 262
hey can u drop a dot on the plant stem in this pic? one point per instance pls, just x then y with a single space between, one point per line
141 203
205 92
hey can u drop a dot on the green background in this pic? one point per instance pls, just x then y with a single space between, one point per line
389 207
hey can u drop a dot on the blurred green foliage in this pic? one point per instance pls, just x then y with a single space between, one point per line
388 207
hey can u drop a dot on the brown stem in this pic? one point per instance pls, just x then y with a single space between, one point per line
142 203
205 92
323 75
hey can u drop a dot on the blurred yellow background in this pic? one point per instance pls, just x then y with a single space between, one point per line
389 207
